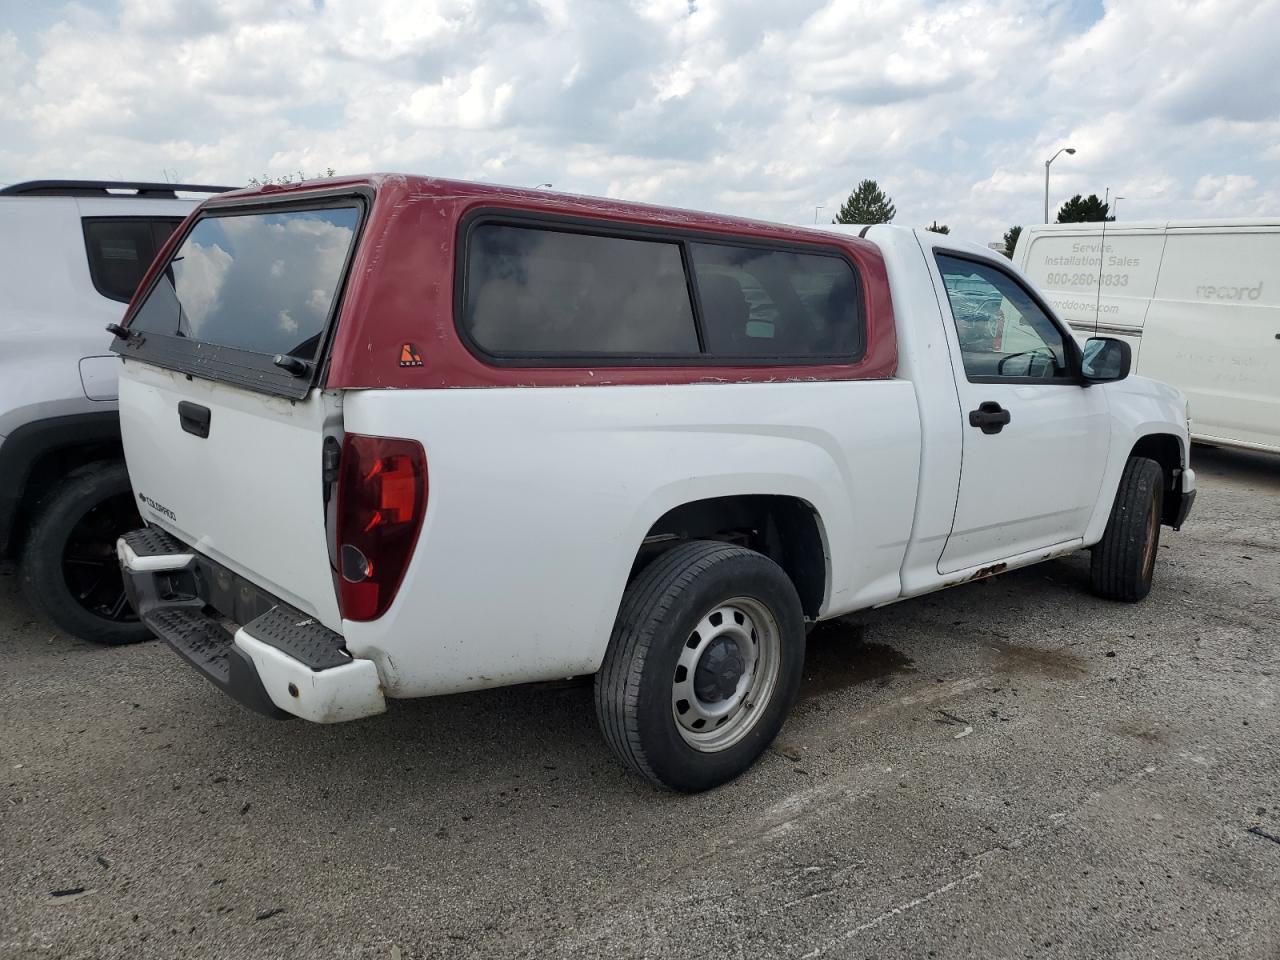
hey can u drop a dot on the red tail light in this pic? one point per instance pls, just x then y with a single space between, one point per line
382 496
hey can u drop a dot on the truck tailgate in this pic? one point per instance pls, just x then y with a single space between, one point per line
249 494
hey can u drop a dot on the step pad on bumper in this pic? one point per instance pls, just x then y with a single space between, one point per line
205 644
201 640
153 542
301 637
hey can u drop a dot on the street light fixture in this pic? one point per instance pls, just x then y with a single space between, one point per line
541 185
1046 178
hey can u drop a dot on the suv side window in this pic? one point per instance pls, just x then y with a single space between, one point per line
535 292
1004 334
758 302
121 248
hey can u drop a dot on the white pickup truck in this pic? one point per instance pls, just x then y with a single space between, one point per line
400 436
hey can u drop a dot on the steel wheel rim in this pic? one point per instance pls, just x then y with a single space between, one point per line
740 632
90 567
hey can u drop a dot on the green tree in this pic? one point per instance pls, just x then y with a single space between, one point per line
867 204
1088 209
937 227
1011 240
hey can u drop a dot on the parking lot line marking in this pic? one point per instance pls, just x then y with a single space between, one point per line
894 912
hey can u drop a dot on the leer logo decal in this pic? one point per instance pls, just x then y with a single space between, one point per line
409 355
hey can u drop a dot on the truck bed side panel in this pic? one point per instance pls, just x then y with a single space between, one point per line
539 500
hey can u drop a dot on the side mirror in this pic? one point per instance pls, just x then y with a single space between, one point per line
1105 360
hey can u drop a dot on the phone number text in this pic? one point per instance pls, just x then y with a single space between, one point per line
1087 279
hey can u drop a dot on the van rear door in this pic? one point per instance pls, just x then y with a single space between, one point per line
223 420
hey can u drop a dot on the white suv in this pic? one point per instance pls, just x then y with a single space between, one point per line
74 252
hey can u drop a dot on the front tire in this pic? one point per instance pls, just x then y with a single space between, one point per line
1124 560
703 666
68 568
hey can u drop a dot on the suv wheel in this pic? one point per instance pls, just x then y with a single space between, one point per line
1124 560
69 570
704 663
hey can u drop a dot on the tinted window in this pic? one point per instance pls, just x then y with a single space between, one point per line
263 282
771 303
120 250
537 292
1002 330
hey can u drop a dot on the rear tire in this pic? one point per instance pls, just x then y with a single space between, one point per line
703 666
1124 560
68 567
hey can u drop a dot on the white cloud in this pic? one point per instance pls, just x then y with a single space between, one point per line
1223 190
752 106
200 278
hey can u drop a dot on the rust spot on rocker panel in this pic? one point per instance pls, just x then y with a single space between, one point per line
980 574
990 571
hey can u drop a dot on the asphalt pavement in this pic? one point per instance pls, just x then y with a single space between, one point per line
1012 768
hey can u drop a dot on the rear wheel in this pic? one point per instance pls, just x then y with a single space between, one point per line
704 663
68 568
1124 560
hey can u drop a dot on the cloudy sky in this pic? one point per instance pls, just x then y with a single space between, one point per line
760 107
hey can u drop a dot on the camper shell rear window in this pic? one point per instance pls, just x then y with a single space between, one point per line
249 294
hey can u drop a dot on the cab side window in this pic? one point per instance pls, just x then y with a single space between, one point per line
1003 332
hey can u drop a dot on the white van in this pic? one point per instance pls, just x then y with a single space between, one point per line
1197 300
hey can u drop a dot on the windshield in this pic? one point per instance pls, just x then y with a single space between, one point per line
263 282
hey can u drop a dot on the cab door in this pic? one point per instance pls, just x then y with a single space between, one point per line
1035 441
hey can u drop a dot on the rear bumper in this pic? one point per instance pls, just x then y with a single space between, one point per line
268 656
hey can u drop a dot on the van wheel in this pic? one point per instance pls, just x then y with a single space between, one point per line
704 663
68 568
1124 560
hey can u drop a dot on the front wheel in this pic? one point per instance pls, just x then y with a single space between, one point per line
1124 560
703 666
69 570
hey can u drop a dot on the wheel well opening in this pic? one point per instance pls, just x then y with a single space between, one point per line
1165 450
785 529
47 472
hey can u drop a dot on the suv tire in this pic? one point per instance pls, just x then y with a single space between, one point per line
85 513
1124 560
703 666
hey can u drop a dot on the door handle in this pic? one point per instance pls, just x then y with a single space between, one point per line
990 416
194 418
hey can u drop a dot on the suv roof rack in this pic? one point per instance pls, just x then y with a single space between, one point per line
104 188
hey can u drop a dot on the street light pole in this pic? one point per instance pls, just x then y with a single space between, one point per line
815 212
1046 178
1115 205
